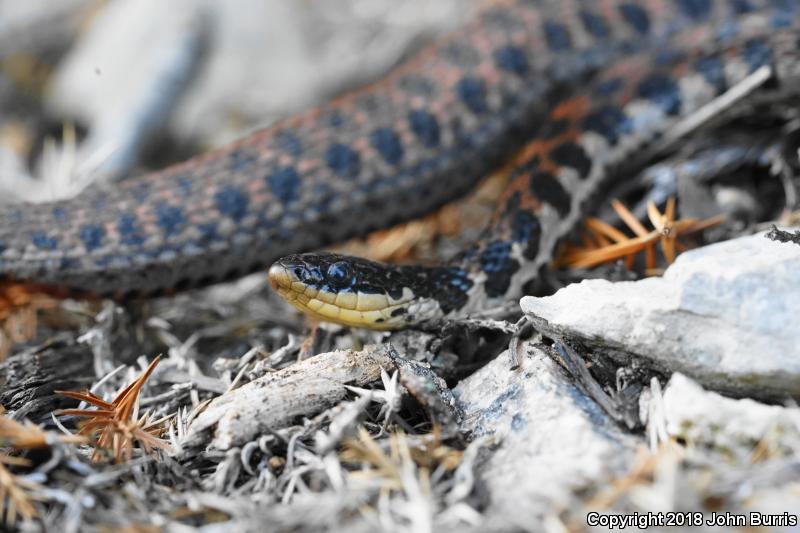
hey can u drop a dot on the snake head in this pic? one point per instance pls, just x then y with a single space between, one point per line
349 290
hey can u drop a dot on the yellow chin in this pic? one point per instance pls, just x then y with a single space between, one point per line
373 311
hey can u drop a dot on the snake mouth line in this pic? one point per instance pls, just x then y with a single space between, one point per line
344 306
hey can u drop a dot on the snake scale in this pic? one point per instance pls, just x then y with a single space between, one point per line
574 88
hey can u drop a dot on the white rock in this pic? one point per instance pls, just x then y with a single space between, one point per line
726 315
553 440
738 451
705 418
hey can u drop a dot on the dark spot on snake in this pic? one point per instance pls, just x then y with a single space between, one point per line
394 285
608 87
417 85
553 128
496 261
460 54
288 142
472 92
608 121
92 236
557 36
284 183
594 24
526 229
44 242
757 54
399 311
572 155
513 59
232 201
662 91
695 9
343 160
742 6
60 214
184 185
425 127
448 286
208 231
379 320
546 188
129 231
169 218
713 70
636 16
513 203
460 280
335 118
387 143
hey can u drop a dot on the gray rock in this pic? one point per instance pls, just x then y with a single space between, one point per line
726 315
552 441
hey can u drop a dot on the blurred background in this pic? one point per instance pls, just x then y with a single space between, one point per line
93 90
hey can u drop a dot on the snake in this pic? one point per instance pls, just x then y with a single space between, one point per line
568 90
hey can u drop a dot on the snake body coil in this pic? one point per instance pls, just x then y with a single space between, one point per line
588 82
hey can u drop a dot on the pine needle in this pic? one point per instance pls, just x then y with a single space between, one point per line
666 232
115 427
16 493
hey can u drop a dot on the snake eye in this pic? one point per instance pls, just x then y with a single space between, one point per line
339 273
